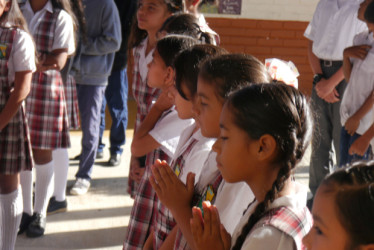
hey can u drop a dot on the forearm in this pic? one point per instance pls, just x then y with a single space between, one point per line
336 78
347 67
366 107
313 60
148 245
182 217
168 244
20 92
56 59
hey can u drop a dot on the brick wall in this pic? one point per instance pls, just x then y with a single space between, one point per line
267 39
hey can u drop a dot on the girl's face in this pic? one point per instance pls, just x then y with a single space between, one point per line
207 109
4 6
327 231
151 15
157 71
183 106
233 147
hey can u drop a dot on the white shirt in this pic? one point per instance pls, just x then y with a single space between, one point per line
269 237
194 161
232 198
333 28
168 129
360 85
22 55
144 59
64 31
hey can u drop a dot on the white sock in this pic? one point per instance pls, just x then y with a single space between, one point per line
26 183
61 167
10 218
43 187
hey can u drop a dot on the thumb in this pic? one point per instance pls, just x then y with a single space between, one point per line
226 237
190 183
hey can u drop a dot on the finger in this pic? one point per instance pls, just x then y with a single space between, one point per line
155 185
165 174
190 183
207 218
158 177
215 221
226 237
196 223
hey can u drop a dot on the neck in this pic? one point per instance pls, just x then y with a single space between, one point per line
152 41
37 5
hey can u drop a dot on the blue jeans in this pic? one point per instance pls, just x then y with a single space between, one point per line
116 98
90 99
346 142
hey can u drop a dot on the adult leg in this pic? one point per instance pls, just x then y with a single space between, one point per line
90 101
101 145
10 210
116 95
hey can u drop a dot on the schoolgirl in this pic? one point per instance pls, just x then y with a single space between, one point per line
217 77
17 62
343 210
150 16
157 136
52 29
265 129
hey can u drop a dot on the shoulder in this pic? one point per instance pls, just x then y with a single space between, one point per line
23 38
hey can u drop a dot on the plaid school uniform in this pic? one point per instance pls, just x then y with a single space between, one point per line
164 220
295 223
15 148
70 90
207 194
145 206
144 96
46 106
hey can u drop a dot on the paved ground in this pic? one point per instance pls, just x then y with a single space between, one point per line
98 220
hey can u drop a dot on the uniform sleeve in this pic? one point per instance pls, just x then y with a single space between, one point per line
64 33
23 52
167 131
310 31
268 237
109 40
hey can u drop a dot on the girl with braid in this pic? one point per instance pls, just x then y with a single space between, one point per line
264 131
343 210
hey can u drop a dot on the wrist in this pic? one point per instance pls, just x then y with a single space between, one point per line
317 78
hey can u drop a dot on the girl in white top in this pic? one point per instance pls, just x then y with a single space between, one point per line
356 110
17 63
217 77
265 129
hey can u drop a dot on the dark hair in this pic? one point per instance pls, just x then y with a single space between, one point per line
186 24
278 110
137 35
353 187
228 72
79 20
369 13
14 16
187 65
169 47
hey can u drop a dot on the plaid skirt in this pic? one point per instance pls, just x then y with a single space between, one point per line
46 111
72 102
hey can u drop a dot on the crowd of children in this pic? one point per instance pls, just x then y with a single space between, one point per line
216 139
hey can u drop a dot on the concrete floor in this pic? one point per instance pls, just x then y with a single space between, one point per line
99 219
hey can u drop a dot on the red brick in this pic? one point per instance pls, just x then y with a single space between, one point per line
270 42
270 25
234 49
245 23
293 25
256 50
282 33
289 51
303 43
219 22
243 41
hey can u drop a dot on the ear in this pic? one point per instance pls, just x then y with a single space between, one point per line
170 76
267 147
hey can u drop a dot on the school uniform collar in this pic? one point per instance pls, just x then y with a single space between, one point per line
144 59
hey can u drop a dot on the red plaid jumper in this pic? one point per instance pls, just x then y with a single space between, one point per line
199 197
144 96
145 206
163 219
295 223
15 148
72 102
46 106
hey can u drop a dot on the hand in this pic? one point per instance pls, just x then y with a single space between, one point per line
209 233
359 51
324 88
165 100
136 171
359 146
332 97
351 125
171 191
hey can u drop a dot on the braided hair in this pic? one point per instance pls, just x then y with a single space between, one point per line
353 187
282 112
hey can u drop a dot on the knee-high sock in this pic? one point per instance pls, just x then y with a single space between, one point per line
26 183
43 186
10 218
61 166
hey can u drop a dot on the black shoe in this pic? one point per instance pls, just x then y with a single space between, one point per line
115 160
77 157
37 226
99 155
55 207
25 222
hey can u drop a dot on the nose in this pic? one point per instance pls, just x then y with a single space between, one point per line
195 106
217 145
